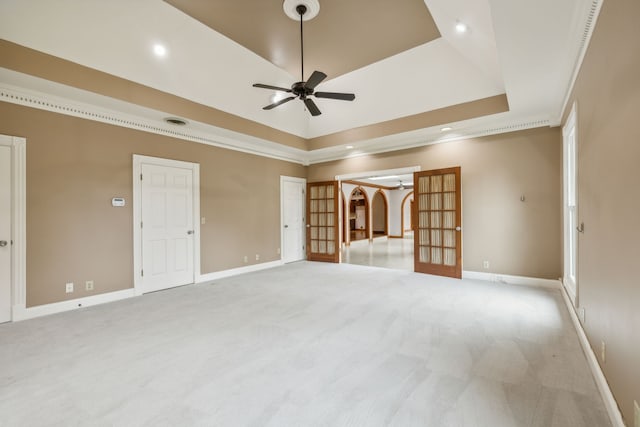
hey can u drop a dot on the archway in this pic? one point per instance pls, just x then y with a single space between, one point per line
379 215
406 209
358 215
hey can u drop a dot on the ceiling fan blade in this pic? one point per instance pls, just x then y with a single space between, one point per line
275 104
335 95
315 79
260 85
312 107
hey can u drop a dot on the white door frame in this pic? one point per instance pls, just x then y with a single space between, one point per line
138 161
302 181
18 223
569 231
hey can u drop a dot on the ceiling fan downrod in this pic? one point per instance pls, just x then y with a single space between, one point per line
301 9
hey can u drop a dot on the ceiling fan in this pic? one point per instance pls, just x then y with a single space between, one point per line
302 89
402 185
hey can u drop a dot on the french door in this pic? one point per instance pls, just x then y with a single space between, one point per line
323 242
436 218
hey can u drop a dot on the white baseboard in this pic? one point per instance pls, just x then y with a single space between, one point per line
603 386
511 280
23 313
236 271
20 312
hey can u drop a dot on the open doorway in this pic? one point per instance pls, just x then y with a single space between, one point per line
375 207
358 215
379 209
405 210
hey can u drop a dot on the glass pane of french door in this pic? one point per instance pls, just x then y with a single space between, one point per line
437 219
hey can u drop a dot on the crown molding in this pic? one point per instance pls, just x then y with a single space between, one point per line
119 113
589 27
429 137
193 131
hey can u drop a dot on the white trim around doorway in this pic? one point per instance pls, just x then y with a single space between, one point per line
18 223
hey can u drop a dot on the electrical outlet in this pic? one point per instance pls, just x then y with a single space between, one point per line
485 264
603 352
88 285
257 257
203 220
246 259
636 414
69 287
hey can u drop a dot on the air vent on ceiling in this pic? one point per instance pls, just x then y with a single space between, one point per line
175 121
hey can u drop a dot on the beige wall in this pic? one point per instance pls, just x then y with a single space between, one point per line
75 167
519 238
607 93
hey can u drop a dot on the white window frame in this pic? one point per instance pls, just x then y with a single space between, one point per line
570 205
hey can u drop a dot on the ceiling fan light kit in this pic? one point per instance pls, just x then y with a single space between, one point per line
304 10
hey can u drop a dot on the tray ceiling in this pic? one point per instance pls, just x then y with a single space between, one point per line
345 36
412 72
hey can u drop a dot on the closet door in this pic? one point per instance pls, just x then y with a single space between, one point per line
322 222
437 222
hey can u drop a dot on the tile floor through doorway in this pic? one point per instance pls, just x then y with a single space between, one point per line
381 252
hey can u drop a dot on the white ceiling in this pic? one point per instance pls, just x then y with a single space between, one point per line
529 50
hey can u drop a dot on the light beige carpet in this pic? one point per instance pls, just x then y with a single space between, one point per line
307 344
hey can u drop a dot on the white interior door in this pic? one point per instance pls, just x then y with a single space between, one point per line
167 229
5 234
293 230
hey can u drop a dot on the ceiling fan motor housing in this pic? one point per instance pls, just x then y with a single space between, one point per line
301 89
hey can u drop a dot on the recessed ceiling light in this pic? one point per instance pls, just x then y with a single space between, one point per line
461 27
446 129
349 147
159 50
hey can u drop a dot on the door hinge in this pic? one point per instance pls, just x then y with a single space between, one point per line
140 177
141 273
140 224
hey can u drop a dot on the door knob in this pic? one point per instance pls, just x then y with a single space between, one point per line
3 243
190 232
458 228
286 226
